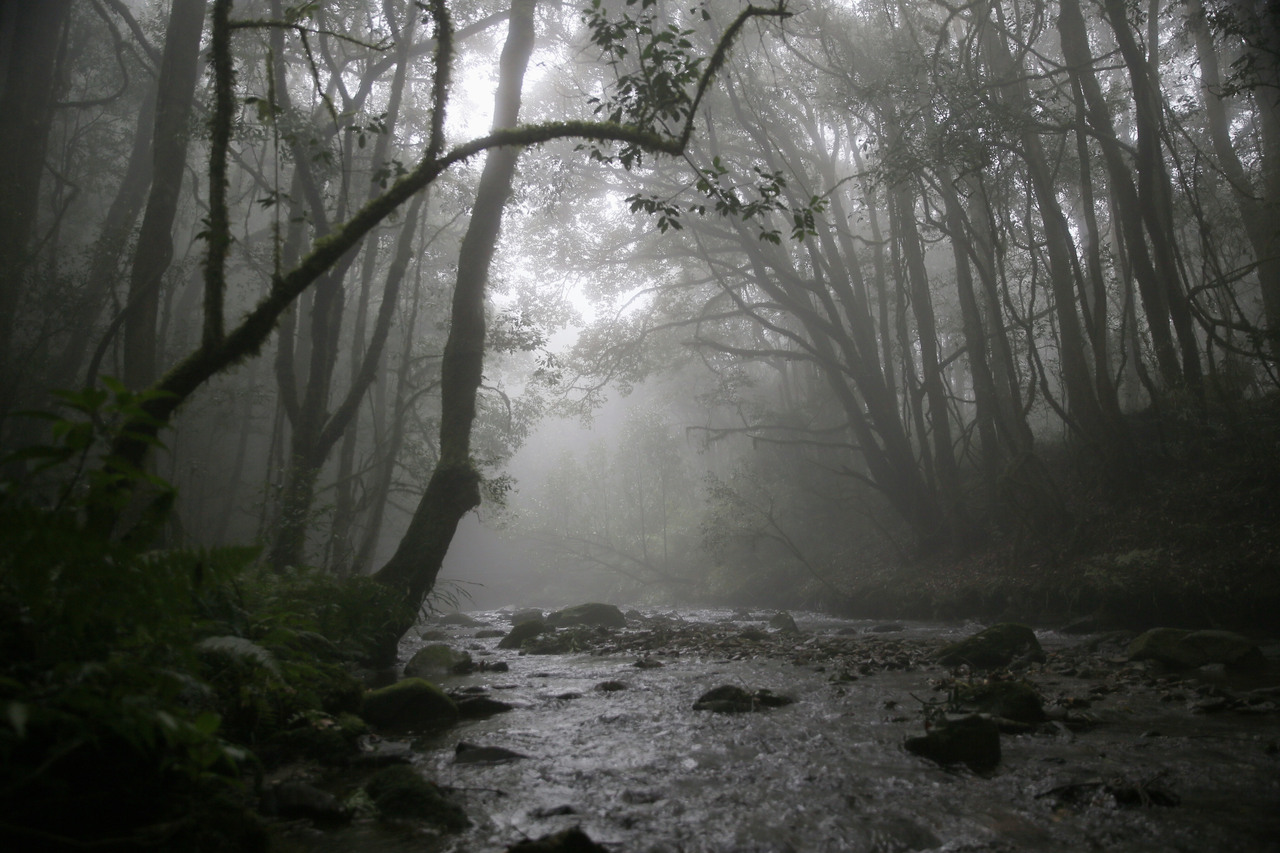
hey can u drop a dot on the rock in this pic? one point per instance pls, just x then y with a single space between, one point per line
459 619
434 661
526 616
885 628
1181 649
489 633
1012 700
480 707
433 634
572 840
400 791
469 753
408 704
783 623
647 662
995 647
611 686
729 699
300 800
522 631
319 737
568 641
594 614
973 741
754 634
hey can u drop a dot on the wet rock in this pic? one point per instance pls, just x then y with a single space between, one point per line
973 741
572 840
647 662
461 619
434 661
997 646
1181 649
469 753
612 686
480 707
566 642
328 740
552 811
754 634
433 634
783 623
294 799
531 615
402 792
730 699
1012 700
634 615
1111 793
376 752
408 704
522 631
594 614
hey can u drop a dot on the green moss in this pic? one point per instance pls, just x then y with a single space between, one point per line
413 703
401 792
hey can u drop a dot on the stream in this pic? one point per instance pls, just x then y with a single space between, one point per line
1132 758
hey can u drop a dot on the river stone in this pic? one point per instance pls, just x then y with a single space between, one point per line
469 753
784 623
1181 649
995 647
480 707
1012 700
572 840
730 699
973 741
300 800
594 614
434 661
410 703
530 615
522 631
400 791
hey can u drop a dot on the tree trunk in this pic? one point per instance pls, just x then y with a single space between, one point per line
32 33
179 70
454 487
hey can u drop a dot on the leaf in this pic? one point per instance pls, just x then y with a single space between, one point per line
18 714
239 647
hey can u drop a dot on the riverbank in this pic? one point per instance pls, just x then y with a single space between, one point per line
1193 542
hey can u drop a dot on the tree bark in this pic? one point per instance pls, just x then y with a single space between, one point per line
454 487
179 70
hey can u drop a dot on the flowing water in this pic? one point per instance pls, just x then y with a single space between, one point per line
1135 761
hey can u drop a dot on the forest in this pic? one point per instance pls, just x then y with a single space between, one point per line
319 320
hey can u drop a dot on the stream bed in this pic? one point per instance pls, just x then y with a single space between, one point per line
1132 758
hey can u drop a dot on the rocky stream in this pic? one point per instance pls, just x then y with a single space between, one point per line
824 735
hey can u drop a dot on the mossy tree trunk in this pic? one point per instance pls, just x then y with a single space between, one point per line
454 487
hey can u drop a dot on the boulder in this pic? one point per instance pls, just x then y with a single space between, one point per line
572 840
480 707
1181 649
783 623
1012 700
995 647
594 614
469 753
294 799
412 703
730 699
522 631
400 791
434 661
530 615
973 741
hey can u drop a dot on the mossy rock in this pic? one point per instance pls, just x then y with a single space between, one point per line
784 623
567 642
526 630
1012 700
995 647
413 703
593 614
434 661
401 792
531 615
461 619
1181 649
572 840
973 741
328 740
